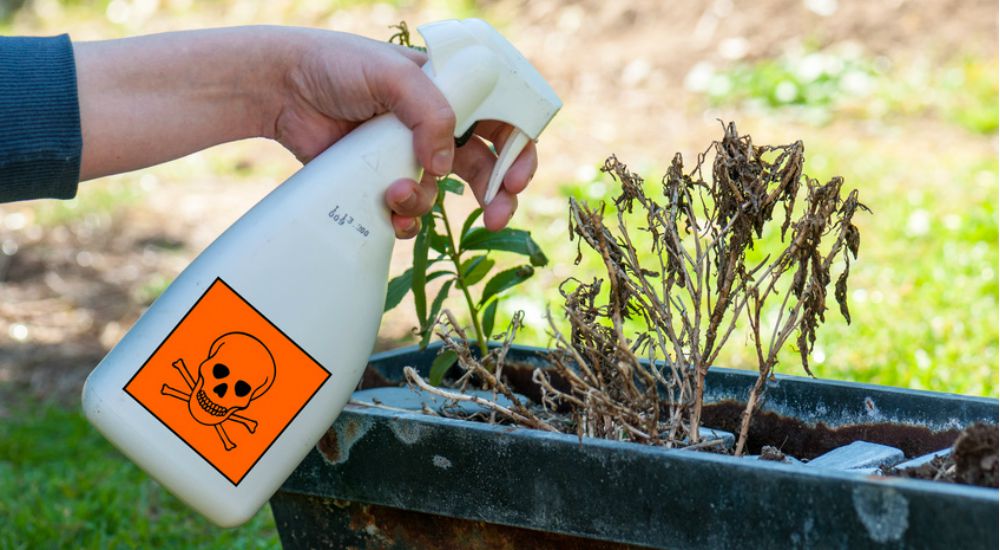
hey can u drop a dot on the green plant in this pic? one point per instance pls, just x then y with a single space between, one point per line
462 258
467 254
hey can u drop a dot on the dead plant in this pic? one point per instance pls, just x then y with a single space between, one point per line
639 350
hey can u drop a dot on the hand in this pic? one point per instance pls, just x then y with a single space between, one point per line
342 80
150 99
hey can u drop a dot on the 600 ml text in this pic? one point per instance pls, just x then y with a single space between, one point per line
344 218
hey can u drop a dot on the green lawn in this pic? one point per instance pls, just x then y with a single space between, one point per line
63 486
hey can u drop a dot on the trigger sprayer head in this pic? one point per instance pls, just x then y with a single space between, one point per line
520 96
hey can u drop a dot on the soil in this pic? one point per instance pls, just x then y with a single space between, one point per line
975 456
70 290
807 441
768 452
973 460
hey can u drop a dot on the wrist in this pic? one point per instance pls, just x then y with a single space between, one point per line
267 58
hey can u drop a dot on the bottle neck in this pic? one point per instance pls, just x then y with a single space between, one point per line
467 80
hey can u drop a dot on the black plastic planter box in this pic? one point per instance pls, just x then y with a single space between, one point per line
386 479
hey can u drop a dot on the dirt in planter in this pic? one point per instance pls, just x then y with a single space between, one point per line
768 452
807 441
975 455
775 437
787 435
973 460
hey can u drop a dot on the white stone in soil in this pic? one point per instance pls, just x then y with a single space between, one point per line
921 460
709 434
860 455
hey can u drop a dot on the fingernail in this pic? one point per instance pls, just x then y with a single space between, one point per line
412 226
441 163
410 202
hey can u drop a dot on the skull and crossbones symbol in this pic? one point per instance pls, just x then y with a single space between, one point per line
239 369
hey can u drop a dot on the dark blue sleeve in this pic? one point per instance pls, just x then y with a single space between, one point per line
40 139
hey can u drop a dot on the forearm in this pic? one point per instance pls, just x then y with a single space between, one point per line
151 99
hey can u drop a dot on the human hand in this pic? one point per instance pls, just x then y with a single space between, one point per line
339 81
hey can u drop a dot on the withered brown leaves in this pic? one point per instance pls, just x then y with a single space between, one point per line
690 292
677 279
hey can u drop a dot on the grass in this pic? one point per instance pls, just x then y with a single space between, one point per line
101 198
816 85
63 486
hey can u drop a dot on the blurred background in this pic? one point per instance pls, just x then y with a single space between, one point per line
899 97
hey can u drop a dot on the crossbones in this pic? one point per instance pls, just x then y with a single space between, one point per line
250 425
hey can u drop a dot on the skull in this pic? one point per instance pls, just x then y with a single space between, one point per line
239 369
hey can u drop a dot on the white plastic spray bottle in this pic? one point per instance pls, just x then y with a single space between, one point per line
232 375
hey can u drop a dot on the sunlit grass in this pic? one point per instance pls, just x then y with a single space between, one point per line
63 486
99 198
841 81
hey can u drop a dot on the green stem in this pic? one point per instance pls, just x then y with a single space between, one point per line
456 258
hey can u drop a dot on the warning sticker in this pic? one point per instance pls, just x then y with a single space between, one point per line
227 381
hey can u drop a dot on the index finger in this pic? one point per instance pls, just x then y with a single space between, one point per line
411 95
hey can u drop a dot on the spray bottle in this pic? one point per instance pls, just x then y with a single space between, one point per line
228 380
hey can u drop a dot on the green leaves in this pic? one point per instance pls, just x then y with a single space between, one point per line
419 275
504 280
489 317
474 269
469 221
509 240
451 185
398 287
426 329
440 366
463 272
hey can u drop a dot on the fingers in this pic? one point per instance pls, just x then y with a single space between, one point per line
474 163
520 173
408 201
417 102
405 228
500 210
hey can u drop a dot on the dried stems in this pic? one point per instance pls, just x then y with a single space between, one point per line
486 371
678 305
679 277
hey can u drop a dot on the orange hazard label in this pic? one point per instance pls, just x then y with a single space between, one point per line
227 381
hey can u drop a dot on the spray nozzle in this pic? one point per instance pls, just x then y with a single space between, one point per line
485 78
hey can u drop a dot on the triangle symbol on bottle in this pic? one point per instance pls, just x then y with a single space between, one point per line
371 159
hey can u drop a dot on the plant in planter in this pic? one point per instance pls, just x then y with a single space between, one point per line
461 258
467 257
687 298
634 367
